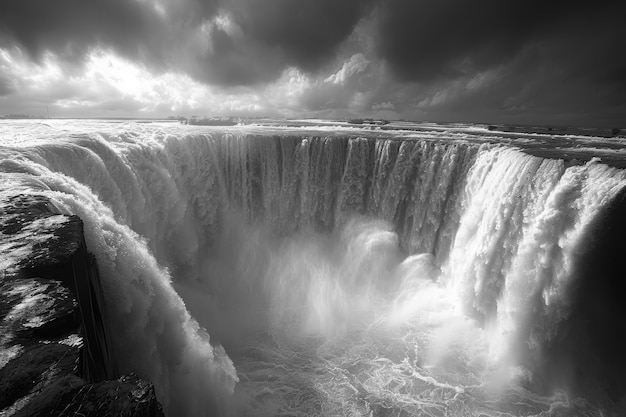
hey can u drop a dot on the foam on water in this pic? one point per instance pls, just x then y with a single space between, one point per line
344 275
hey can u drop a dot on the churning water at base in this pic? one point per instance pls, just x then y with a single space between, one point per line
260 271
352 337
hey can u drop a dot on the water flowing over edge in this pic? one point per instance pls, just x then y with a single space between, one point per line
503 228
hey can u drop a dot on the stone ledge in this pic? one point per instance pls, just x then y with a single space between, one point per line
55 354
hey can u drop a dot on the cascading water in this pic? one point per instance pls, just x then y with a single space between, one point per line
343 274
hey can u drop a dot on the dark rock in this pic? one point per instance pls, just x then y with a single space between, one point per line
51 246
32 368
36 308
53 398
55 349
127 396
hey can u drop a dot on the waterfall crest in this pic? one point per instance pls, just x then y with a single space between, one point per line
490 232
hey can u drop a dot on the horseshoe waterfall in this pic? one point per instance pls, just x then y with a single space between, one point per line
325 270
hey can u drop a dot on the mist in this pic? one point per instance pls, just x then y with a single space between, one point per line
249 274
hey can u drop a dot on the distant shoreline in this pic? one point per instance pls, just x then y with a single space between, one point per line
544 129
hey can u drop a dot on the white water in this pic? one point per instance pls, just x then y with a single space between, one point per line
343 276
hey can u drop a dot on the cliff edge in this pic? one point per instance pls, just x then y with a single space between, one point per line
55 349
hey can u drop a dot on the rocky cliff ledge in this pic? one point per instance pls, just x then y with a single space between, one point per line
55 356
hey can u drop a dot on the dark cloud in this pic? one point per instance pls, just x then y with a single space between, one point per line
542 57
541 61
424 40
306 31
421 40
548 82
70 27
234 62
271 35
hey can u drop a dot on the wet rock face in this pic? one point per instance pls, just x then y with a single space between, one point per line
35 308
54 346
33 370
70 396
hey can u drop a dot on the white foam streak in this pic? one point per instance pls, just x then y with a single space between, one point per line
505 189
153 334
537 289
318 239
512 260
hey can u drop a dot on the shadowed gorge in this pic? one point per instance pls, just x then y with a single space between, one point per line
268 270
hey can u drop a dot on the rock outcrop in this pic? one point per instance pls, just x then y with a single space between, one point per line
55 350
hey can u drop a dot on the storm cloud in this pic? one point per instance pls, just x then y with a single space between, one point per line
432 52
69 27
428 39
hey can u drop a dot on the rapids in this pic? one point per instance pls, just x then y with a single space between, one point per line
264 270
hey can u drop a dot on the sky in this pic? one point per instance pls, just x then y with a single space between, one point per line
489 61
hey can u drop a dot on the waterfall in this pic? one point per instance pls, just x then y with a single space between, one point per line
209 239
524 223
